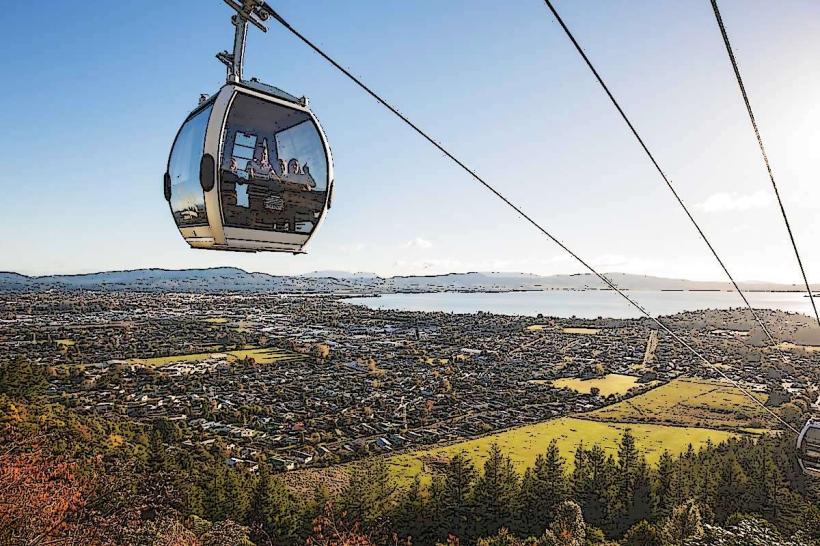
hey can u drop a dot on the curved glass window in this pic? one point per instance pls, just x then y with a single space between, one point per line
273 168
811 443
187 197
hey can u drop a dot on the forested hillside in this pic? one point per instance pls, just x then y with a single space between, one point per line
68 478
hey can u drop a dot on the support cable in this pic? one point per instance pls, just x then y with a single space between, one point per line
742 87
658 168
524 215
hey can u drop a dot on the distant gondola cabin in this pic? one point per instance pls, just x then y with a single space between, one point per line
808 448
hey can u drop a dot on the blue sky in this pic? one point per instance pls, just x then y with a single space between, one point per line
95 92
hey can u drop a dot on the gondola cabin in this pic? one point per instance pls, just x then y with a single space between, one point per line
250 170
808 448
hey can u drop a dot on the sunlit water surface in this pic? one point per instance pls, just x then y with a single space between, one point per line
583 304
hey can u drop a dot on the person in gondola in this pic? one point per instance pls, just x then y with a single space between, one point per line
259 190
293 168
261 166
295 174
311 183
234 191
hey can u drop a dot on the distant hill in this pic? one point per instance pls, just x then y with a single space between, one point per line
579 281
219 279
340 275
231 279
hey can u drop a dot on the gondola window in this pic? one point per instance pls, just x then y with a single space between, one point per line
274 168
187 198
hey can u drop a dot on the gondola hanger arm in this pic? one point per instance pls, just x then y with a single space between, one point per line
253 11
247 11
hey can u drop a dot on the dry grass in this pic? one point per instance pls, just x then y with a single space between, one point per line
792 346
581 331
689 402
609 384
261 356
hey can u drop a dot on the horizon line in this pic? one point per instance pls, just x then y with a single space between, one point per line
329 274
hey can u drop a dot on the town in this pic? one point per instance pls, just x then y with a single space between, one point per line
313 380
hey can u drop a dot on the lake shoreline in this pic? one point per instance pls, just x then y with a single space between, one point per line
574 303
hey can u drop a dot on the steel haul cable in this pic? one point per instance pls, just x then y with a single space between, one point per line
666 180
742 87
663 175
523 214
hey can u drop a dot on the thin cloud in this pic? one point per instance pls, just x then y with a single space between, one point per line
432 266
418 242
353 247
733 202
610 260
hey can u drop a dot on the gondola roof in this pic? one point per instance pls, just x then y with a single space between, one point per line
256 85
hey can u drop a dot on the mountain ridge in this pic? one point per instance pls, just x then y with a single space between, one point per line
233 279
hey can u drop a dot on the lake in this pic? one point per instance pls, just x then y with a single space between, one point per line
583 304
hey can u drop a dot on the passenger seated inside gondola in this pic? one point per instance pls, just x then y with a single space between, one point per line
308 178
272 179
293 168
300 175
260 166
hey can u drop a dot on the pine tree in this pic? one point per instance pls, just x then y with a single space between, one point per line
439 516
709 476
683 524
368 495
272 513
554 481
22 379
641 507
622 514
455 501
495 493
761 495
192 498
730 489
543 488
237 497
215 493
663 498
502 538
593 481
628 459
412 516
783 452
157 457
530 520
321 497
642 533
